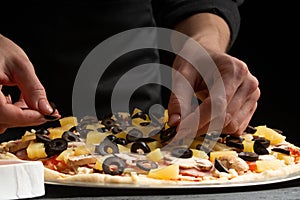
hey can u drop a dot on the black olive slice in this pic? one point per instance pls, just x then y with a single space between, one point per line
248 156
146 165
259 148
42 138
50 117
140 148
121 141
220 167
146 139
113 165
234 141
107 147
116 129
264 142
42 131
111 137
167 134
70 136
108 123
133 135
250 129
102 130
281 150
56 146
182 152
139 115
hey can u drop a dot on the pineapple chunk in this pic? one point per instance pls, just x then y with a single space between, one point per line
270 134
154 145
84 149
248 146
263 165
167 173
286 158
217 154
28 136
36 150
56 132
94 137
155 155
199 154
68 120
123 149
65 155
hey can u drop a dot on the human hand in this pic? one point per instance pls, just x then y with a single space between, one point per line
17 70
236 106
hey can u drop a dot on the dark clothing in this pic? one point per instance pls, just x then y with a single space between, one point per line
58 35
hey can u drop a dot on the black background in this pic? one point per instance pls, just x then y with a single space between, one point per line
267 43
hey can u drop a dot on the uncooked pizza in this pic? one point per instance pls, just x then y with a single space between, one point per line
135 148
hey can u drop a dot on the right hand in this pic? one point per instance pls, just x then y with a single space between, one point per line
17 70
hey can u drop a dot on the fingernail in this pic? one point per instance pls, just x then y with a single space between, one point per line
45 107
174 120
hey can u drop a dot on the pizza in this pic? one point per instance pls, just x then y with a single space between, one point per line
137 148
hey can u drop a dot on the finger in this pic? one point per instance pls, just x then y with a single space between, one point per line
239 121
246 91
182 93
30 86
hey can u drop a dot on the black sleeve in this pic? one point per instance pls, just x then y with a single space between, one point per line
170 12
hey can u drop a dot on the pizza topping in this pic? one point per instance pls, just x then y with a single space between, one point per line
259 147
182 152
281 150
107 147
248 156
69 136
234 141
140 148
234 162
56 146
113 165
133 135
250 129
81 160
146 165
167 134
108 123
41 137
220 167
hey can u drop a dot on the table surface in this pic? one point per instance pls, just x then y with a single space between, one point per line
284 190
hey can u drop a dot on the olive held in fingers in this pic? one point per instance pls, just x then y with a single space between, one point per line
113 165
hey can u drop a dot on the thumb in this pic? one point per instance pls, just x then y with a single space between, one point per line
31 88
181 96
